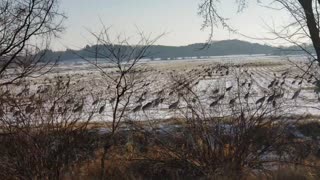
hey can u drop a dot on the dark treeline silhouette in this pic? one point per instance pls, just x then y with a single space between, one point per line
218 48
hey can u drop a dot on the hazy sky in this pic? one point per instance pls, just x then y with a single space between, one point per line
178 18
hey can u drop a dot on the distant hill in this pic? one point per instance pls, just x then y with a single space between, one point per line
219 48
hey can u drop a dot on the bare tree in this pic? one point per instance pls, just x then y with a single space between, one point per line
117 60
304 25
44 123
24 26
44 130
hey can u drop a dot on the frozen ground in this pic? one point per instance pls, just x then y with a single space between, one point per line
209 79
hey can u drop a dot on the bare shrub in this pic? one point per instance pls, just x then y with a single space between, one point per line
117 60
227 130
44 130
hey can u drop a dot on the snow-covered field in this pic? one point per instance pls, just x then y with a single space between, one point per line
217 82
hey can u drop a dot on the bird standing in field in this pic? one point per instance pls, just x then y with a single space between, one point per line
229 88
246 96
147 106
214 103
174 105
232 101
274 103
271 98
156 102
272 83
215 91
221 97
296 94
102 109
261 100
285 73
137 108
244 83
78 108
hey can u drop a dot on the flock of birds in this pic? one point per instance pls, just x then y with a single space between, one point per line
169 87
271 93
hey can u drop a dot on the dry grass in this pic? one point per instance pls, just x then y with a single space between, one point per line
124 166
129 162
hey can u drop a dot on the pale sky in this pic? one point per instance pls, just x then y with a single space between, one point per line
177 18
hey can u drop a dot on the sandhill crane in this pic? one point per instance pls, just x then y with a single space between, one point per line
159 93
147 106
194 100
274 103
137 108
32 96
196 83
95 102
285 73
216 91
29 109
272 83
144 93
70 101
146 84
78 108
60 110
261 100
229 88
19 94
315 82
244 83
214 103
221 97
140 100
232 101
296 94
156 102
204 91
102 109
213 97
45 90
271 98
81 89
279 95
247 95
112 100
161 100
174 105
170 93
